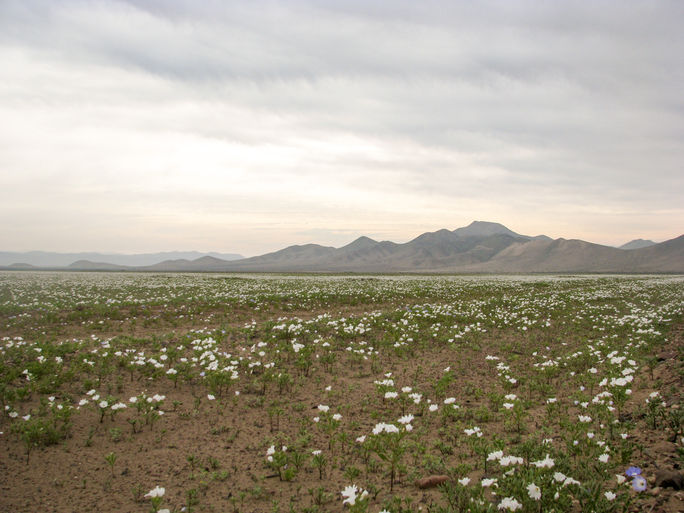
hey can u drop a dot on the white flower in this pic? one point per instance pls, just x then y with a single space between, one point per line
604 458
496 455
391 395
510 504
610 496
323 408
488 482
102 404
464 481
533 491
210 397
157 491
433 407
337 416
406 419
316 452
361 439
545 463
351 493
620 478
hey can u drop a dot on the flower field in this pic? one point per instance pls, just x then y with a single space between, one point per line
277 393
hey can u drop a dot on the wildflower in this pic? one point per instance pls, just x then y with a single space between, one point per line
610 496
157 491
387 428
474 431
559 477
510 504
569 481
496 455
316 452
323 408
337 416
633 471
488 482
433 407
351 493
545 463
639 483
604 458
620 478
102 404
361 439
391 395
534 491
210 397
510 460
464 481
406 419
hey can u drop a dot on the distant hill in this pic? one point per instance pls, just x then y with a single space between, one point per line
49 259
87 265
481 247
637 244
21 265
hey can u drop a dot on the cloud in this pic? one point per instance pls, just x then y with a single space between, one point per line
372 117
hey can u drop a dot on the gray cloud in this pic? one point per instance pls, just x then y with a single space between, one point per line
529 104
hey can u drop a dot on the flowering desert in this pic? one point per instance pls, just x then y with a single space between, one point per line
310 393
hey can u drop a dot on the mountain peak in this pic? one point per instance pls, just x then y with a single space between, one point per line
637 244
483 229
360 243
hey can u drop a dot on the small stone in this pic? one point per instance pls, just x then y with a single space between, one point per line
669 479
431 481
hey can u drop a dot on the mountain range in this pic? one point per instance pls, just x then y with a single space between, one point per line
49 259
481 247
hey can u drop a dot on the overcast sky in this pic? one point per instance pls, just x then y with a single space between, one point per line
136 126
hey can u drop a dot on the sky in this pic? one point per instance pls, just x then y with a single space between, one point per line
245 127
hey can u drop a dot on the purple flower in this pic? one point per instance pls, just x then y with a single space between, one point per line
633 472
639 483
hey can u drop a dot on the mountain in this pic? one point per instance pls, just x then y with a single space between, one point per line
637 244
48 259
87 265
481 247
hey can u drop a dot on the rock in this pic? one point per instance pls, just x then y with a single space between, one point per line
431 481
669 479
667 355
